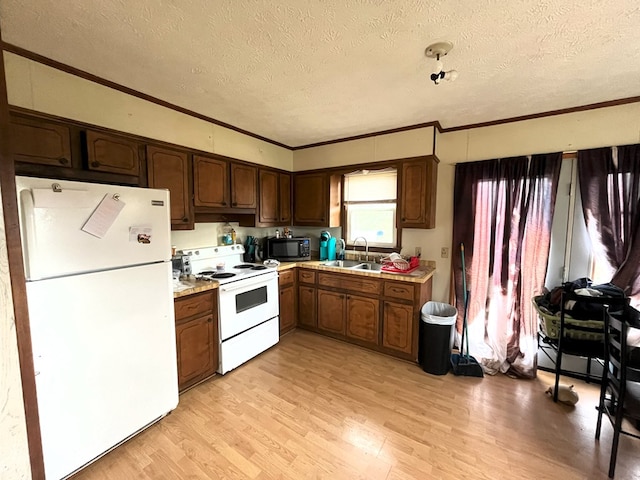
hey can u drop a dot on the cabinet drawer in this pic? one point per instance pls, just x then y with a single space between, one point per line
199 304
403 291
286 277
351 282
306 276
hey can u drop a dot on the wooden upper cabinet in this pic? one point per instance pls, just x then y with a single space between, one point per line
112 154
268 212
211 182
418 193
224 185
275 198
316 199
244 189
40 142
170 169
284 196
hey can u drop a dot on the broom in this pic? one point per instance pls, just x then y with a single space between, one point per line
462 363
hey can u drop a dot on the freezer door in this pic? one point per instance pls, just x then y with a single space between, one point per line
105 360
51 221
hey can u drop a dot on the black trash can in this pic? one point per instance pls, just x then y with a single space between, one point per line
436 337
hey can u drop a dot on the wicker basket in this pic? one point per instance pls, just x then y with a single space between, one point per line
587 330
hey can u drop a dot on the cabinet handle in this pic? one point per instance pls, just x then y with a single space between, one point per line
185 219
63 161
95 164
224 203
234 204
322 219
210 319
403 219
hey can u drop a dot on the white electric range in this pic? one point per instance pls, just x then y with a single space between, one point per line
248 304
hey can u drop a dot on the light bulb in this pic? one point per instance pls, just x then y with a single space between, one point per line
439 67
451 75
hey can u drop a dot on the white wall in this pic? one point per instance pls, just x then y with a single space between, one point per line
580 130
14 459
410 143
44 89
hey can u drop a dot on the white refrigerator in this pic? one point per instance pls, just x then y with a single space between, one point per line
97 260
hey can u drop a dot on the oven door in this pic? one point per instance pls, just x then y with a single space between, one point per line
247 303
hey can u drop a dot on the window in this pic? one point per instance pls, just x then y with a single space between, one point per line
370 199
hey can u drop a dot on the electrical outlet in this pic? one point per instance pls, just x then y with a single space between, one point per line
418 251
444 252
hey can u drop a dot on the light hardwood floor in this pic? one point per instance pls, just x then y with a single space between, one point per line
313 407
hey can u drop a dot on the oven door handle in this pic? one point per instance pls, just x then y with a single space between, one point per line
261 279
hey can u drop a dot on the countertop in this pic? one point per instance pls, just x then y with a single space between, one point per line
422 274
189 286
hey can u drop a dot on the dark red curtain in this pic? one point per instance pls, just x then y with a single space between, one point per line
610 191
503 210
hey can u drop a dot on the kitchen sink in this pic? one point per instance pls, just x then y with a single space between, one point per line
342 263
370 267
354 265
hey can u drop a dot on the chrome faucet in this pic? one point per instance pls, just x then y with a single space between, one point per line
366 248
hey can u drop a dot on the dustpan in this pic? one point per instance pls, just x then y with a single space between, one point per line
462 363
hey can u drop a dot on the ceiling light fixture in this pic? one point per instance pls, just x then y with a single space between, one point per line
438 50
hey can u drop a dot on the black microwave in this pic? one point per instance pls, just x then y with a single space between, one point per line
293 249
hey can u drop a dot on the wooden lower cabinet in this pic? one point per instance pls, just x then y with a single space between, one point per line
196 338
363 319
377 313
307 306
331 311
397 327
286 285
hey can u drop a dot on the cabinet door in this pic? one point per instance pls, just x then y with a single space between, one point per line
268 211
331 311
284 196
287 305
195 343
307 306
170 169
363 318
113 154
210 182
310 199
243 186
418 194
40 142
397 327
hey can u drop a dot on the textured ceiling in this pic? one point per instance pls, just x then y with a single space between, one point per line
305 71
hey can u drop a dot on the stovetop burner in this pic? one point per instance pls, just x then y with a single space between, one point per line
214 274
243 266
258 267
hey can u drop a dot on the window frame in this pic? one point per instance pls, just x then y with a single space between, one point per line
344 213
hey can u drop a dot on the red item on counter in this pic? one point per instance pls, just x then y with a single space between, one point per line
401 266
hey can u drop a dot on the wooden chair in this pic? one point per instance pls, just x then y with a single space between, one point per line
589 348
620 391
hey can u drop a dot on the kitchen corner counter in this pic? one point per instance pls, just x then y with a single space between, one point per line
422 274
194 286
